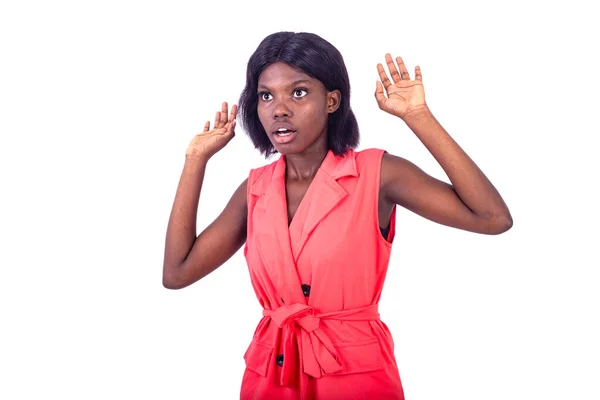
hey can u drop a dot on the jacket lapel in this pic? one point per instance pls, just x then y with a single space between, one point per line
270 221
323 194
281 246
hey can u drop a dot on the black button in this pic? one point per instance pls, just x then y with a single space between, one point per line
306 290
280 360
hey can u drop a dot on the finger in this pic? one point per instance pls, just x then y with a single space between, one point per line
233 114
231 128
229 133
379 95
418 75
207 126
383 76
403 70
217 120
224 114
392 67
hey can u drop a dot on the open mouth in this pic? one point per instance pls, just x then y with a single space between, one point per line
284 135
284 132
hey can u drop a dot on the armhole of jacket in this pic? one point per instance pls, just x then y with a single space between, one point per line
378 165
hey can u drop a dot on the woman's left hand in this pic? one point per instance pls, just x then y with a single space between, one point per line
404 96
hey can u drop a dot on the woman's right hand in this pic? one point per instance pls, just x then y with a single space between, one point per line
204 145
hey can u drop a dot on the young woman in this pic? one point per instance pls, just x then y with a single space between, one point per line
318 223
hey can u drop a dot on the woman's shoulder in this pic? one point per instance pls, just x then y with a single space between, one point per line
260 176
369 156
369 152
265 168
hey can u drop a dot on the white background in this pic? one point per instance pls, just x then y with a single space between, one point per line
98 101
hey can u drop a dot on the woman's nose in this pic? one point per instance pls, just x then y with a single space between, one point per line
281 109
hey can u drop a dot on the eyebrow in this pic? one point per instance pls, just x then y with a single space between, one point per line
295 83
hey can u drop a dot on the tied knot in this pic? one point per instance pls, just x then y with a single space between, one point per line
317 354
301 314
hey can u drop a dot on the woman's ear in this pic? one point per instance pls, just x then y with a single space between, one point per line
334 99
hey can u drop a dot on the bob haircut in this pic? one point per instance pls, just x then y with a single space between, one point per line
316 57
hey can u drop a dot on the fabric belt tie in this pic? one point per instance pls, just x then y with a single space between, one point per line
317 353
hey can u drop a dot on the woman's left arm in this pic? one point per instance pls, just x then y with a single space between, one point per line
471 202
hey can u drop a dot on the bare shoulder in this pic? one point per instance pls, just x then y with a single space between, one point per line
394 168
239 197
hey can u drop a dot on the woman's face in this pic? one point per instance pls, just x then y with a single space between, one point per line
293 108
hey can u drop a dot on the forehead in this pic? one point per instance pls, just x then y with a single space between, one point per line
281 74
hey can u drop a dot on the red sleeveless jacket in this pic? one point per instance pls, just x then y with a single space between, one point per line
319 282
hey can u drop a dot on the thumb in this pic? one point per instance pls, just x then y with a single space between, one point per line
379 96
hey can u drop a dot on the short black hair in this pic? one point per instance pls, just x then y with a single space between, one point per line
314 56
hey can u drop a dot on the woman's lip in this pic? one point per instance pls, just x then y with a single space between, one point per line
282 125
284 139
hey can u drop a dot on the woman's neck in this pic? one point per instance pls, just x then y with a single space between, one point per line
304 165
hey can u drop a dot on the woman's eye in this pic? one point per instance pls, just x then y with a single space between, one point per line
265 96
300 93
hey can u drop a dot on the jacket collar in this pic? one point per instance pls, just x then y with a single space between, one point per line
335 167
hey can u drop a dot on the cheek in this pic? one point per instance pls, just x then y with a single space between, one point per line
317 113
262 115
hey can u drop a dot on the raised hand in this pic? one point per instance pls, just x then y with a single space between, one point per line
210 141
404 95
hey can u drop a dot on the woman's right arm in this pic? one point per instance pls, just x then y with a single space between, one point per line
189 258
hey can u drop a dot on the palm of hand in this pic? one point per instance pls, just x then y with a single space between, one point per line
403 94
210 141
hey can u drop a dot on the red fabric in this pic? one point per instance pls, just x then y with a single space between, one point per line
333 342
